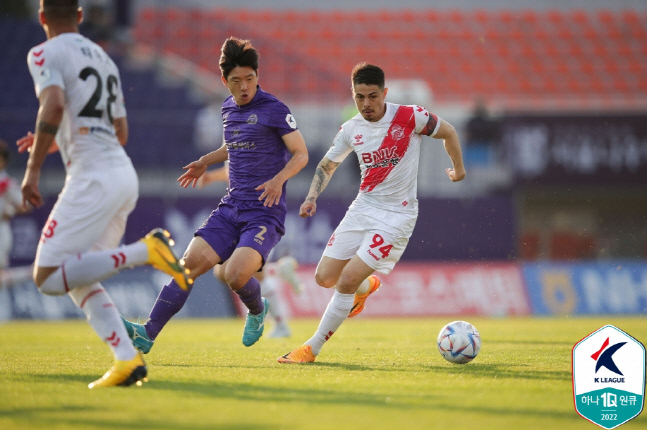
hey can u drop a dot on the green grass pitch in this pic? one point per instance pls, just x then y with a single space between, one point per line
372 374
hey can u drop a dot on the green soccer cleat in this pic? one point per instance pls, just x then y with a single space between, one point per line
254 325
139 337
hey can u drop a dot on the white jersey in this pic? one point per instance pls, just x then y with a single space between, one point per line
388 151
93 98
10 200
10 195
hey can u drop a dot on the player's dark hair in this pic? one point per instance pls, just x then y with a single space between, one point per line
4 150
237 53
368 74
60 10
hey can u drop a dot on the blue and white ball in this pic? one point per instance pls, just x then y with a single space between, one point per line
459 342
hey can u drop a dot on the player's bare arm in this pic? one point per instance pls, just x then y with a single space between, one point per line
217 175
325 169
50 114
195 169
453 147
273 188
121 130
26 142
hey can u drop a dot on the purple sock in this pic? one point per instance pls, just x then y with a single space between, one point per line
250 294
168 303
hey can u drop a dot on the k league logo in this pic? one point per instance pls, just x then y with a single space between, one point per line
609 377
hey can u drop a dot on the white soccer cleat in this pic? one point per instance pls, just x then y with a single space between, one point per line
279 331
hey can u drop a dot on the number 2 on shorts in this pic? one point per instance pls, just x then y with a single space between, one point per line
260 236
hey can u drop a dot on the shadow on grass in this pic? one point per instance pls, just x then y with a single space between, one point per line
502 371
45 417
316 398
250 393
485 370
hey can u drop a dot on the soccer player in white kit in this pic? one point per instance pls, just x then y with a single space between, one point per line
82 113
375 231
10 205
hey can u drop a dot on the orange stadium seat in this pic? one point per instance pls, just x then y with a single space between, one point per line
503 54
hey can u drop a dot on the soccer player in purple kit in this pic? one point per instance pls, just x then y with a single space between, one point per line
264 149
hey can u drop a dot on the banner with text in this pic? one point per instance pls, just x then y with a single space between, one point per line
587 288
577 149
417 289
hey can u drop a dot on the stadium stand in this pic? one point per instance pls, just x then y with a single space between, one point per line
159 115
562 59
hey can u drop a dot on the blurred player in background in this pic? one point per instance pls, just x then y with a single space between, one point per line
271 274
264 149
377 226
82 113
10 206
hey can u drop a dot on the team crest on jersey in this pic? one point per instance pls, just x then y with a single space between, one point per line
291 121
45 74
397 132
253 119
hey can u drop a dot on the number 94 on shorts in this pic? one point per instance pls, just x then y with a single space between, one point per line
379 245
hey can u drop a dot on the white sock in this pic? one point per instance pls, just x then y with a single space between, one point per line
270 289
363 287
93 266
335 314
104 318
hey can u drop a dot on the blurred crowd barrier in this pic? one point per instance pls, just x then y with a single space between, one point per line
491 289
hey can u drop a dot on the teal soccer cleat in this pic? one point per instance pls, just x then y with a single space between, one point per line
139 337
254 325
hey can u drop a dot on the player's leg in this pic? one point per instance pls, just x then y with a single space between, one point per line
211 245
103 317
375 250
219 271
243 264
92 299
79 219
286 268
271 290
199 258
257 239
95 266
351 276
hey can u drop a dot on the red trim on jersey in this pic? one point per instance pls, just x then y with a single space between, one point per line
4 185
404 118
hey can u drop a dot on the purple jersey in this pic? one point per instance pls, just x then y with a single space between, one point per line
253 135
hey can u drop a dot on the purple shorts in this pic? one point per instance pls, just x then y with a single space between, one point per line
237 223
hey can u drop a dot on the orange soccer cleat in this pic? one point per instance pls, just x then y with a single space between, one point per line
360 299
302 354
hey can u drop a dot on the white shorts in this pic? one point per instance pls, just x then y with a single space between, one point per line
371 237
90 214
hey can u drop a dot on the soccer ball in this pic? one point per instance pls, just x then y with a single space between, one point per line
459 342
